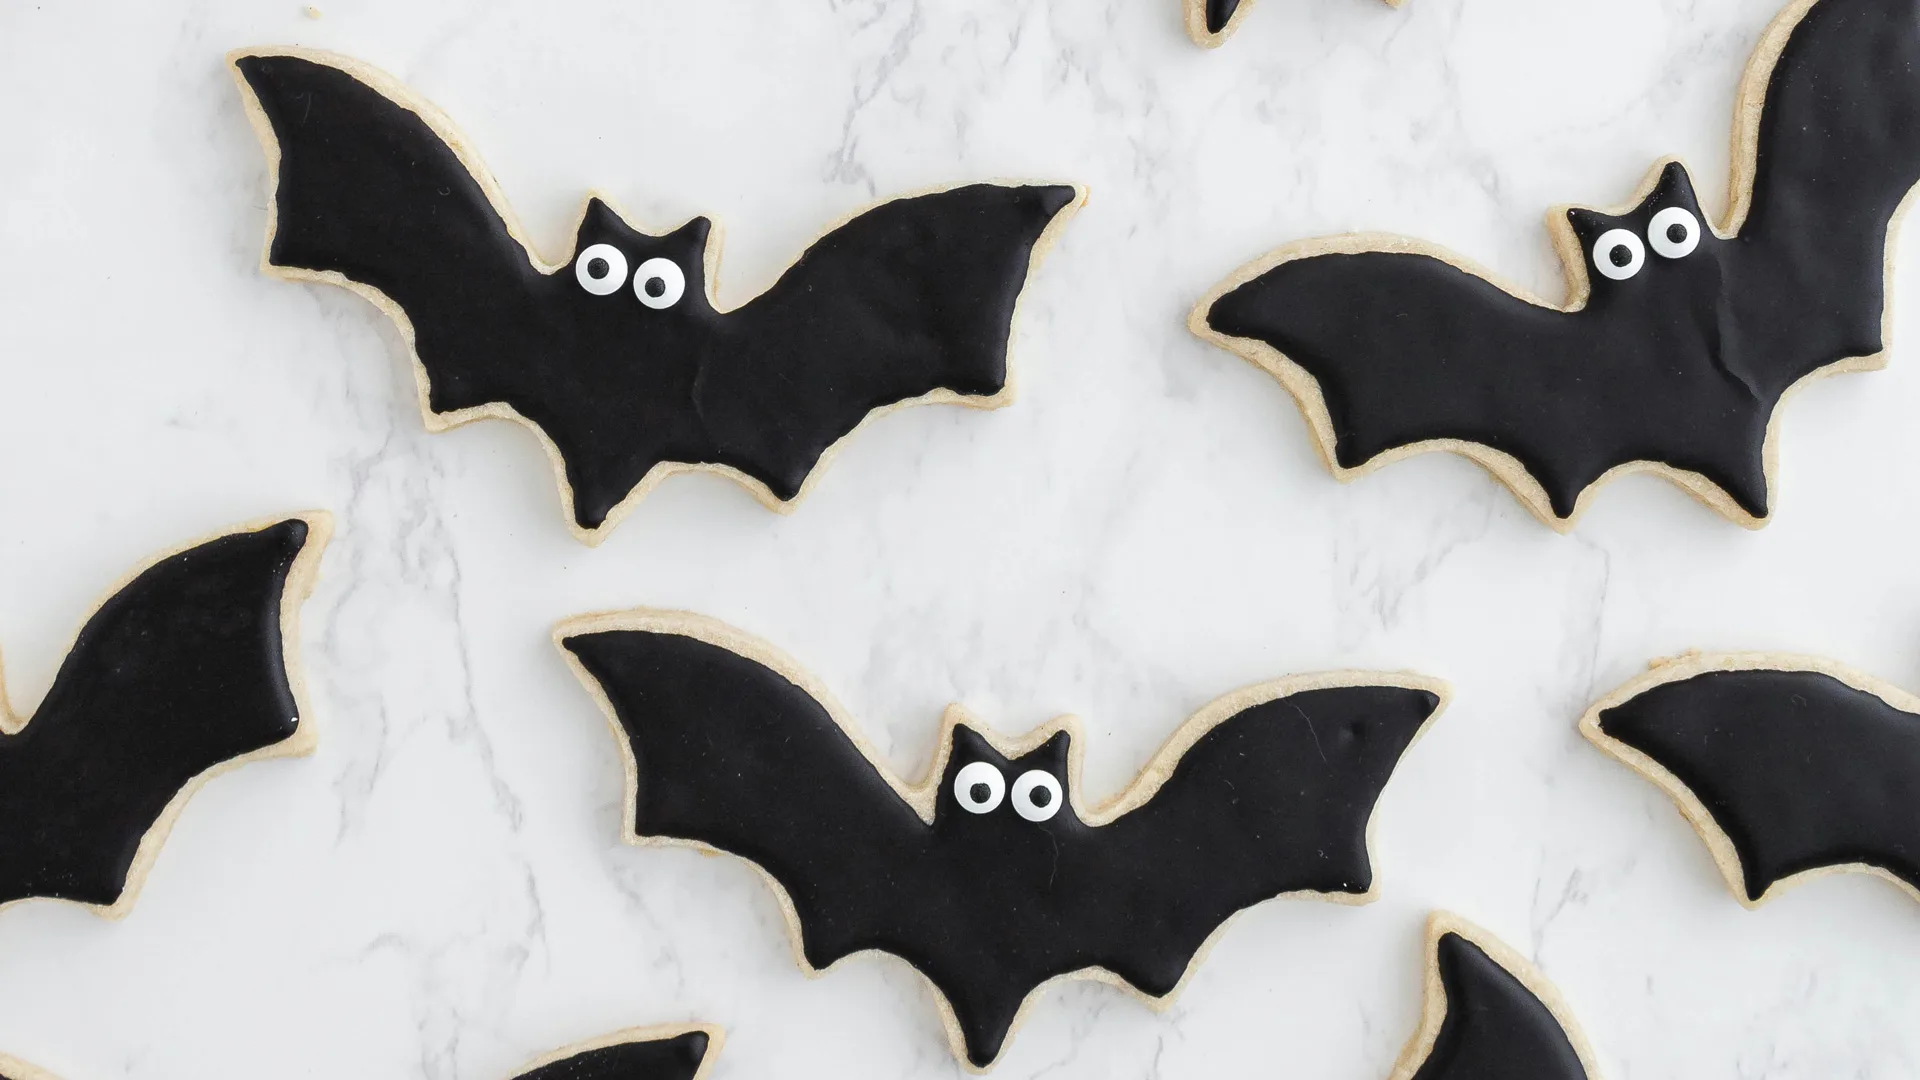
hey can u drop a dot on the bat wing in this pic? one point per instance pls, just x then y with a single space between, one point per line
1833 157
1786 766
1212 22
1266 792
1392 352
634 1055
911 300
371 189
1273 798
178 673
733 748
1489 1015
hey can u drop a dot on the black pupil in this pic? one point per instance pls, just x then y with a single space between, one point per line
1677 232
1620 256
980 792
656 287
1041 796
597 268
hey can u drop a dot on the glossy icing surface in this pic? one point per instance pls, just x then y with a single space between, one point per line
1679 362
1800 770
1145 527
1495 1028
1218 12
676 1058
985 901
179 671
912 297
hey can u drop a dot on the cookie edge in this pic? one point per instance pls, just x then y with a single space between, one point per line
444 129
1749 103
1433 1007
921 796
716 1039
301 577
1719 845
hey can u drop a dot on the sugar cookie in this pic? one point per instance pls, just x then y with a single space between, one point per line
1489 1015
616 357
1673 354
1789 767
1212 22
188 669
991 877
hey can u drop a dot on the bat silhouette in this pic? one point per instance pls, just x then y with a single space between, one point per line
642 1054
1489 1015
616 356
684 1053
1212 22
1788 766
1675 356
992 878
181 673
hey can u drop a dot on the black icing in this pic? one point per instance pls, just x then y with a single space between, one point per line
1800 770
177 672
1681 364
913 296
675 1058
1495 1028
1219 12
989 906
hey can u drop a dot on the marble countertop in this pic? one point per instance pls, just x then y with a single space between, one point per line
440 891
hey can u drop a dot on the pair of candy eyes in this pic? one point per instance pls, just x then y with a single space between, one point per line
1673 232
602 268
978 788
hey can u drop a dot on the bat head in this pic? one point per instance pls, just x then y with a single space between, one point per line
1642 252
1003 803
622 273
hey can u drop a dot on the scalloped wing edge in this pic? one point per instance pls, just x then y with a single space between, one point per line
921 795
1719 845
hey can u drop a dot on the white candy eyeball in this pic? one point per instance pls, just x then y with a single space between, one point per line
979 787
1036 795
1674 232
1618 254
601 269
659 284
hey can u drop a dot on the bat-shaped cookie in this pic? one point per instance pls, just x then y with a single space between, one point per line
1678 339
991 878
185 671
616 356
671 1053
1212 22
1788 766
1489 1015
641 1054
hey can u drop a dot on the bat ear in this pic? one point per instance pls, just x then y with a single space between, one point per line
687 245
1589 224
1052 754
970 745
1674 188
600 220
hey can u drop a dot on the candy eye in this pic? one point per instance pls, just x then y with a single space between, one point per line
1036 795
659 283
1618 254
1674 232
601 269
979 787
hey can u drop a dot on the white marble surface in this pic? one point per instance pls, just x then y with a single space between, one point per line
439 891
